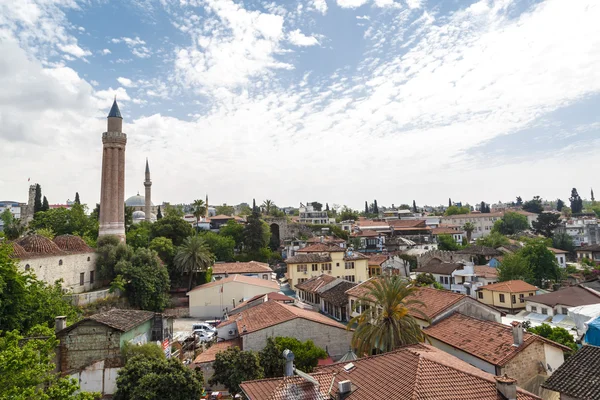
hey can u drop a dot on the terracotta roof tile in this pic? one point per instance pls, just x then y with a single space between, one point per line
17 250
241 268
321 248
418 372
249 280
368 222
72 244
445 231
485 271
407 223
557 251
273 313
486 340
377 260
36 245
515 286
301 258
315 283
209 354
578 376
366 233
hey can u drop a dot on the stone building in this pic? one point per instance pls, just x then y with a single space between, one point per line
67 257
112 189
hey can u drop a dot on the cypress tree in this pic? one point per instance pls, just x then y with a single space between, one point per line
449 202
159 214
37 203
593 199
326 206
77 198
414 206
375 208
366 208
45 205
576 202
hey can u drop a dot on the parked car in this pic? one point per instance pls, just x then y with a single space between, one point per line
203 326
203 336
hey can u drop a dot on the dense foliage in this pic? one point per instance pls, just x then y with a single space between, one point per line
447 242
192 257
62 221
534 264
233 366
171 227
556 334
306 355
511 223
546 224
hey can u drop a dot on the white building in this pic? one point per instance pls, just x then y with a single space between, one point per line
584 230
253 269
561 256
212 300
14 207
67 257
308 215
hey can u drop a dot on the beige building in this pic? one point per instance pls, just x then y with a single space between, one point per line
508 295
214 299
320 259
251 268
483 222
273 319
67 257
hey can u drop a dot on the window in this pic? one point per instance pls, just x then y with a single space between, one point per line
501 298
27 267
480 295
531 294
349 265
565 311
315 267
302 280
441 279
522 298
88 259
349 278
81 278
544 311
533 309
91 277
351 304
337 264
301 268
59 262
327 267
513 298
446 280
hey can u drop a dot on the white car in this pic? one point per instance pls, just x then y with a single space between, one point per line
203 326
203 336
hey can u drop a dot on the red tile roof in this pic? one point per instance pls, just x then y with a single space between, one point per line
445 231
315 283
557 251
487 340
434 301
485 272
241 268
272 313
209 354
407 223
366 233
418 372
377 260
515 286
321 248
367 222
249 280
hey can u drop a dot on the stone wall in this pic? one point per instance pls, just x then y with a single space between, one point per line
82 299
443 255
67 267
87 343
526 365
335 340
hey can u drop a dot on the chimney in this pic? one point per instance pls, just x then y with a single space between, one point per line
517 331
60 323
289 362
507 387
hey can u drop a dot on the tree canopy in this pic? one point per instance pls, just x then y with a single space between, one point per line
224 209
193 256
511 223
455 210
576 202
546 224
447 242
233 366
556 334
534 263
172 227
534 205
62 221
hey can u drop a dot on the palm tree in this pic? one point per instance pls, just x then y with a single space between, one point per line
267 205
389 324
193 256
469 228
198 210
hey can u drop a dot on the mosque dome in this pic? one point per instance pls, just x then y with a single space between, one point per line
136 201
37 244
72 243
138 215
17 250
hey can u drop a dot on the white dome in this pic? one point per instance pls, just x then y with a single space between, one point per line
138 215
136 201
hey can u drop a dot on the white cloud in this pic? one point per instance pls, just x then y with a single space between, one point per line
363 17
125 82
231 47
74 50
136 45
94 83
351 3
319 6
299 39
106 51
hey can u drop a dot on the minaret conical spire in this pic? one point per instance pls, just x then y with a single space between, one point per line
114 110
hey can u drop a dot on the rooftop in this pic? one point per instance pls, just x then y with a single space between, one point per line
415 372
480 251
377 260
121 320
248 280
240 268
592 247
273 313
485 272
321 248
36 245
325 239
301 258
337 294
72 244
441 268
579 376
209 354
572 296
315 283
515 286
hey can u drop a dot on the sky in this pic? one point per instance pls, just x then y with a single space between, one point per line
336 101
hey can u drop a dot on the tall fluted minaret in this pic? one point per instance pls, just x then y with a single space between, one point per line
112 191
148 185
206 207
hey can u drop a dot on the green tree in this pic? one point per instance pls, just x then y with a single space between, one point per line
173 211
271 359
447 242
267 206
45 205
151 378
198 210
233 366
511 223
147 280
389 325
317 206
77 201
139 235
534 205
306 354
347 214
256 233
12 226
28 371
414 207
541 261
224 209
173 228
148 350
556 334
563 241
110 250
449 202
455 210
515 267
193 256
546 224
233 230
221 246
37 200
63 221
493 240
559 205
576 202
159 214
519 202
367 211
164 248
469 227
